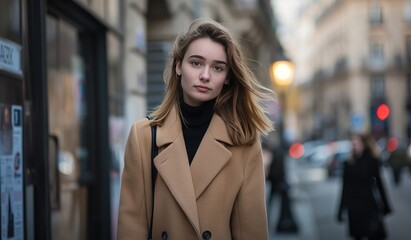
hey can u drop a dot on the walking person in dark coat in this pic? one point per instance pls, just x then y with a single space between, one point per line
361 174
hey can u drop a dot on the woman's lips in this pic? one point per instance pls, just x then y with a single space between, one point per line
202 88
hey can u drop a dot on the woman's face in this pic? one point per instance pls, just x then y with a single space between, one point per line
203 71
357 144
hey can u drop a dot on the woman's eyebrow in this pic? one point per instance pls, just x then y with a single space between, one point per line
203 58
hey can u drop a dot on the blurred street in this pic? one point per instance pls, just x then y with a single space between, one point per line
315 199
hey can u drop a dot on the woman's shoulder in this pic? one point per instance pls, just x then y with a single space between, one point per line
143 122
140 125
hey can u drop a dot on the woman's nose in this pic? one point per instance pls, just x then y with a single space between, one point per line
205 75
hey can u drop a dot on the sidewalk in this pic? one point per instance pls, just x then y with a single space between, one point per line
301 209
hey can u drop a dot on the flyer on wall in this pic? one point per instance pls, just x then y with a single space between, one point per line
11 172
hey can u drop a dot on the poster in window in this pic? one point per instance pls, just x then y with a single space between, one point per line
11 172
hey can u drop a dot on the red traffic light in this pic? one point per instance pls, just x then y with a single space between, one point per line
383 111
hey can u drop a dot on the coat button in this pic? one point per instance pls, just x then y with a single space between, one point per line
164 236
206 235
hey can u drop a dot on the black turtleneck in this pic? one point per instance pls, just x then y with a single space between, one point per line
197 120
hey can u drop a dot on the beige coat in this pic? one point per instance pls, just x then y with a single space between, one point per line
221 194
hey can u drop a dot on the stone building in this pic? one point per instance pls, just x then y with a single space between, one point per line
352 56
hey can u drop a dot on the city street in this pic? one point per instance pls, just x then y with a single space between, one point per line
315 199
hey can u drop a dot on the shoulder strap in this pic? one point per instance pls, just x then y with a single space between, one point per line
154 152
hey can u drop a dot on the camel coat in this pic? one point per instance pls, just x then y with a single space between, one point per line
221 195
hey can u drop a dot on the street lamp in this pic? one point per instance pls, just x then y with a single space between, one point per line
282 75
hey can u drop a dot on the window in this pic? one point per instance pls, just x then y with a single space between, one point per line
376 55
375 16
377 86
376 52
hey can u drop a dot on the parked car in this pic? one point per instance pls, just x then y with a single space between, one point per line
309 148
318 155
335 164
322 154
341 153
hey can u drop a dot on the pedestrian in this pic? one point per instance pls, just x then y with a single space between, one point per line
210 181
398 160
275 175
363 195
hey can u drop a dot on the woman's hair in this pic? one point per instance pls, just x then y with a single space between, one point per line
370 145
238 102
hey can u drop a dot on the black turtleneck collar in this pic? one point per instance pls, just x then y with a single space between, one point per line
195 124
195 116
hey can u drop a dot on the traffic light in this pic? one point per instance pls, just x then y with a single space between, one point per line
380 112
383 111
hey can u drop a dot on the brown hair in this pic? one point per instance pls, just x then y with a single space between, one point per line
370 145
238 103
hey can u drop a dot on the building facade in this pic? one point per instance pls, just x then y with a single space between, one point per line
74 76
351 57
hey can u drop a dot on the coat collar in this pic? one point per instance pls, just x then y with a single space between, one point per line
187 182
171 128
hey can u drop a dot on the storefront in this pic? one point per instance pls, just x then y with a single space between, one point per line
11 138
59 62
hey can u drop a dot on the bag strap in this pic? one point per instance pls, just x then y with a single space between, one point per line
154 152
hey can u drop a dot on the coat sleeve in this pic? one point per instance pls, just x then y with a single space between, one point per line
132 220
379 181
249 217
343 198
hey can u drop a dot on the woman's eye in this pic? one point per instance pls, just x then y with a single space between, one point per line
218 68
195 63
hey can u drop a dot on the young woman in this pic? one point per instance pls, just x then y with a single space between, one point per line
210 182
363 195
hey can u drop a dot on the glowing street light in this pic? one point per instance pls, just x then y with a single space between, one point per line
282 73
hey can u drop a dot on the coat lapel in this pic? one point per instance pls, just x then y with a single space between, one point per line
184 182
172 165
211 156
